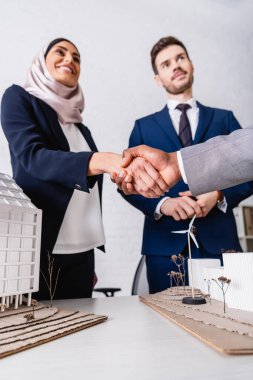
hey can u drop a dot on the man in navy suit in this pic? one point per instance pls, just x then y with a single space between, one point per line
183 122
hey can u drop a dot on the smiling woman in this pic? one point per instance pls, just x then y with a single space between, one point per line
55 161
63 62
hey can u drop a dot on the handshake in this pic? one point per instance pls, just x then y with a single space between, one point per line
147 171
151 173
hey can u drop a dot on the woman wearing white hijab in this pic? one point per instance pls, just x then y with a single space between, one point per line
53 161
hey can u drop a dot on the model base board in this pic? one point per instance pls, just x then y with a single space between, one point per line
18 334
230 332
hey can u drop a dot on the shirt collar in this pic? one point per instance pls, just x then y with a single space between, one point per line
172 104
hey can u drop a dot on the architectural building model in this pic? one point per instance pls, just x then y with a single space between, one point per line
50 323
226 321
20 234
32 324
230 332
238 267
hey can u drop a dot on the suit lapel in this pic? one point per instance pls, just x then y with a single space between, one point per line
87 135
56 130
205 118
164 120
52 120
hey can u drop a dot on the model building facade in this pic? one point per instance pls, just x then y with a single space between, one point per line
20 234
238 267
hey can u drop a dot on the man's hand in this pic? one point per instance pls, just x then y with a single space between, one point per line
181 208
206 201
140 177
165 163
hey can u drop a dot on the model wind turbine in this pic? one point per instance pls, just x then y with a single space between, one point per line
191 300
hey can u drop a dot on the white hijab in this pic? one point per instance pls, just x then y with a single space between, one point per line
68 102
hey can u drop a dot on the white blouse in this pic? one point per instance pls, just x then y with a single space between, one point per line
82 227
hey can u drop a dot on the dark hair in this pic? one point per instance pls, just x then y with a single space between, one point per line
56 41
162 44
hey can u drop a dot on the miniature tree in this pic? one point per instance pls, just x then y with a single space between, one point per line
223 283
33 304
171 278
31 316
51 284
208 289
3 306
179 276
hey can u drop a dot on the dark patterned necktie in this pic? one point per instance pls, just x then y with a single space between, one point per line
185 133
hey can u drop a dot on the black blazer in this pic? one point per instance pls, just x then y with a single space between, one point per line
42 163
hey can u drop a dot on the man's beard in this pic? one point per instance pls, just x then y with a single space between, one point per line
180 90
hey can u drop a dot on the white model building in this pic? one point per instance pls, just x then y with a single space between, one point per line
20 234
238 267
198 268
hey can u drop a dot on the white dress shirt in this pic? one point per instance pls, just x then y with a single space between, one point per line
193 117
192 114
82 227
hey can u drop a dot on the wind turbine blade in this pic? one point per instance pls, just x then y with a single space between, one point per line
191 222
179 232
194 239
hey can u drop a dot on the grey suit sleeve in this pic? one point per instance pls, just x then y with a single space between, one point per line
220 162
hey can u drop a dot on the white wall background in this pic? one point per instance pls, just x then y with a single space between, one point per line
115 38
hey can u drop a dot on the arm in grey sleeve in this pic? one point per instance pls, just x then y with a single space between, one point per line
220 162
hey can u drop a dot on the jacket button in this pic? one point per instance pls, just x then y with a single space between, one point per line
78 187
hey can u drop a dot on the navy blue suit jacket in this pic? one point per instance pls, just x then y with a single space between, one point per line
42 163
217 230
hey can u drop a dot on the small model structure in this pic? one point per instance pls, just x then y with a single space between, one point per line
223 283
34 323
179 276
238 266
191 300
23 329
20 233
198 268
208 273
226 322
48 278
230 333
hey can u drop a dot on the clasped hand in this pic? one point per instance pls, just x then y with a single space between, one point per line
185 206
140 177
151 172
147 171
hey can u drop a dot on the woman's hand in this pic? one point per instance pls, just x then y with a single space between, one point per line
104 162
139 177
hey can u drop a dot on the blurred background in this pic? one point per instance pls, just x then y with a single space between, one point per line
114 38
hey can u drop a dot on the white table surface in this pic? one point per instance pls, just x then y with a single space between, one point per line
135 343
